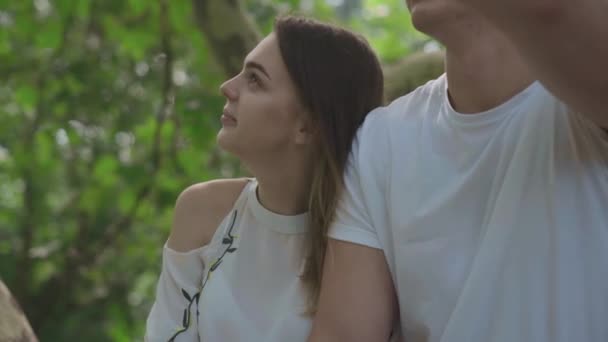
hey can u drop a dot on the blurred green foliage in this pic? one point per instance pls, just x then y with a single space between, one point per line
108 109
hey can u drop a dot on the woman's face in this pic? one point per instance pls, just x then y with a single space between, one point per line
263 117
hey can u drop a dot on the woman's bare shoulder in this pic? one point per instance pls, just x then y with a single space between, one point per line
200 209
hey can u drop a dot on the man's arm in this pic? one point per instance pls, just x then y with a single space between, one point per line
358 301
565 42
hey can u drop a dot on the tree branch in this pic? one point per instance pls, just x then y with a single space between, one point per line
229 30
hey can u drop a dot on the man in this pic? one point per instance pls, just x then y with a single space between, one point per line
476 207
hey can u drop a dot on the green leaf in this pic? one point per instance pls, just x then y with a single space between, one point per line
139 6
82 8
126 199
26 96
105 171
5 44
50 35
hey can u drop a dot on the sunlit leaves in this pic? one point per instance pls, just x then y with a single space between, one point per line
386 24
104 171
26 96
50 34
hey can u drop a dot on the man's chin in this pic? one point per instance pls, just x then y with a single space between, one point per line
424 20
436 18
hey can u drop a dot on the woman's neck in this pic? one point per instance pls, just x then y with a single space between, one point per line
284 185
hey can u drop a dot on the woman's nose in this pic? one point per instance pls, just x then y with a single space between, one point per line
228 90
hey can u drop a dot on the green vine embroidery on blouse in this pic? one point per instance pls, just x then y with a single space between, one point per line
228 240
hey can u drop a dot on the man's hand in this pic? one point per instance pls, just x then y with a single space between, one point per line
565 42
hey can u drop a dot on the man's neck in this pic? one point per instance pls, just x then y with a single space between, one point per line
485 72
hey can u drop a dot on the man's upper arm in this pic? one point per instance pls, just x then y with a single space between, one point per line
358 301
361 209
353 220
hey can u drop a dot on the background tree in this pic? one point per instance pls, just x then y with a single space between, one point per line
108 108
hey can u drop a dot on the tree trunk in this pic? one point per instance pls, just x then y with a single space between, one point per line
14 326
231 34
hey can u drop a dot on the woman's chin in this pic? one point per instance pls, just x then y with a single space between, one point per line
222 139
227 142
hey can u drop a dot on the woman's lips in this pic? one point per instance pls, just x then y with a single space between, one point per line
227 119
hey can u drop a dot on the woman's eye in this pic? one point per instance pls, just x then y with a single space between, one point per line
253 79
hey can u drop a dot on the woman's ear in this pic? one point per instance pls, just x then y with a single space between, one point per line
306 130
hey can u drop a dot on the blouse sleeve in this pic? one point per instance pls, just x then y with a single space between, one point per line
173 316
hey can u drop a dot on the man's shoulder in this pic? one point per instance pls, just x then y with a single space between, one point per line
389 128
407 108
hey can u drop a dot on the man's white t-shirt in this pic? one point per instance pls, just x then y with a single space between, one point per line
494 225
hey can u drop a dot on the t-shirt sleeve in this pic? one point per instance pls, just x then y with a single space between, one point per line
174 312
361 206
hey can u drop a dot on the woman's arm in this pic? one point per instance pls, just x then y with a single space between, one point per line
199 210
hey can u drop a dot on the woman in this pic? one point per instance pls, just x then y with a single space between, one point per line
244 258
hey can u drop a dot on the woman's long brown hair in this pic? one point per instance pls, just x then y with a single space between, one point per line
339 80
